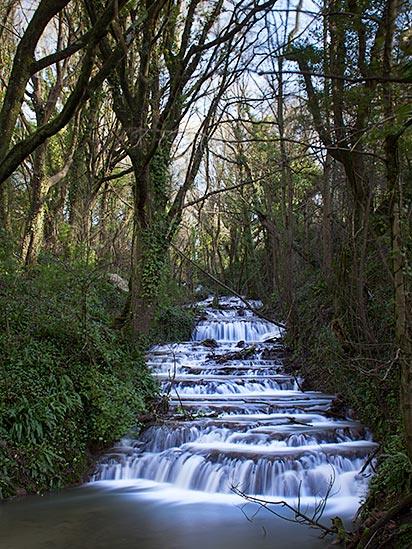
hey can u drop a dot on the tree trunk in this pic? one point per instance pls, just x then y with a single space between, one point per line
403 335
402 300
327 219
5 208
55 218
34 230
287 206
150 236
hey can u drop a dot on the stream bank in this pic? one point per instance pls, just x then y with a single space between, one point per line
366 380
251 428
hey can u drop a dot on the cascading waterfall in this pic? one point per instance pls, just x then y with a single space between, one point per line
238 420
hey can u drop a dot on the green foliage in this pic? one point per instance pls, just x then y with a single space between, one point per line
309 52
153 263
8 262
173 321
404 536
365 377
69 382
394 472
153 244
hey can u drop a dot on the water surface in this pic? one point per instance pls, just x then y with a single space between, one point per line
237 420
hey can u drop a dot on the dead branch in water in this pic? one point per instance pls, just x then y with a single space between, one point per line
313 520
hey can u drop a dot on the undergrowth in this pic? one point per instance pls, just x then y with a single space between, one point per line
173 321
367 379
70 384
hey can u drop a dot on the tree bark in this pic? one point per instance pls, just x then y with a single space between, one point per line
5 208
34 230
327 219
287 205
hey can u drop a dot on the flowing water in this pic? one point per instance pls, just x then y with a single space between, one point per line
237 423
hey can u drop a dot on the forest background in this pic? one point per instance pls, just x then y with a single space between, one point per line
261 146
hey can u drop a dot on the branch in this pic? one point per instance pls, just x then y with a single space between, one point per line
300 517
117 175
220 283
61 174
217 191
271 228
229 34
360 80
53 58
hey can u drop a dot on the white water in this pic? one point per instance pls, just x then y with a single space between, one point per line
250 427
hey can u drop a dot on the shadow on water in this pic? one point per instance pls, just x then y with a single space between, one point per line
97 518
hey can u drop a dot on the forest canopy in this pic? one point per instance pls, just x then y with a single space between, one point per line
260 146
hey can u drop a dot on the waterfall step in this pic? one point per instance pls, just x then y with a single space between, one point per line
157 439
237 418
254 405
190 378
235 368
255 451
284 396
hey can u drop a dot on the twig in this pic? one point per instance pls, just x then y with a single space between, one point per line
369 460
300 516
256 312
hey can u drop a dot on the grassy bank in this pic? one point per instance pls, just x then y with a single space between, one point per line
70 382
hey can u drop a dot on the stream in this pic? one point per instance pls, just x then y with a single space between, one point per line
237 424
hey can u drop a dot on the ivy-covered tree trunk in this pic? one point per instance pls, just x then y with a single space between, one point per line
403 331
401 284
55 217
150 236
399 234
41 184
287 271
327 250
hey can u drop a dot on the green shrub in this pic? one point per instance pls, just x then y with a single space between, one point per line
173 323
334 359
69 382
394 472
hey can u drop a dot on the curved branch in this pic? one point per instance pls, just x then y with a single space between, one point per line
82 91
53 58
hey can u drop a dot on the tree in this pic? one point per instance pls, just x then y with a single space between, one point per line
175 58
25 65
